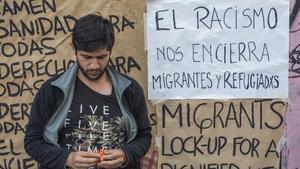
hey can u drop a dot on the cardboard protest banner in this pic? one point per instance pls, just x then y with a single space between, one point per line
35 45
217 49
212 134
35 41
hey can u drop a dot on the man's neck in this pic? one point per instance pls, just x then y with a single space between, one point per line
102 85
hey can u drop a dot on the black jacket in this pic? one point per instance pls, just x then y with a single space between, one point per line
50 107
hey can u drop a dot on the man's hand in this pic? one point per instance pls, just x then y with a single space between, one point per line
80 159
113 158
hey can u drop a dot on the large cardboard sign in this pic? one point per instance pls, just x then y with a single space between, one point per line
217 49
212 134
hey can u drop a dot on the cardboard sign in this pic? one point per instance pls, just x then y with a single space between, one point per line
211 134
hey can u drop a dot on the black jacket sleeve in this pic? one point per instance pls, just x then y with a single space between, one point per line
47 155
139 146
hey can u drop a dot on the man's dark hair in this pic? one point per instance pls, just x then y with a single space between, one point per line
92 32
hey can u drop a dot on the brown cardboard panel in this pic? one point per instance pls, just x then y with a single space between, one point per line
215 133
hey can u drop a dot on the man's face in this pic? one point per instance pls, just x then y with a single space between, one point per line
93 64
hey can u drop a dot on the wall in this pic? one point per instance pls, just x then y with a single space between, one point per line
291 152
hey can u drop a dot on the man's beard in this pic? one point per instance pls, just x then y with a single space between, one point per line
94 74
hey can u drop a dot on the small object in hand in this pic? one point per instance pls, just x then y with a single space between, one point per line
101 154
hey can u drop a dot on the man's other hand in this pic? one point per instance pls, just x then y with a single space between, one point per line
113 158
81 159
